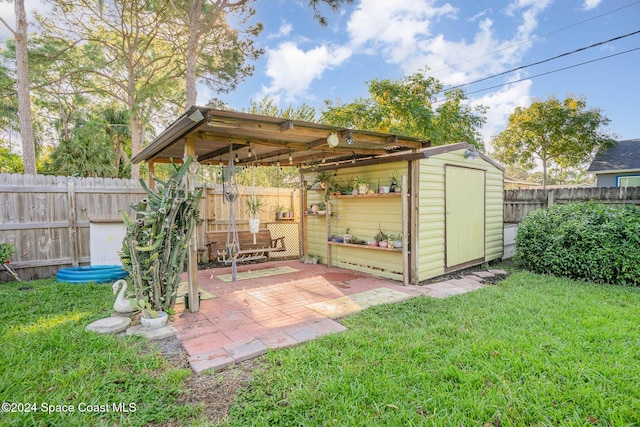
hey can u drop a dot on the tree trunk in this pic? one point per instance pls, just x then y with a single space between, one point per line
24 101
137 137
195 12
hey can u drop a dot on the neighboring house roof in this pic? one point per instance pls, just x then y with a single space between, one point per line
625 155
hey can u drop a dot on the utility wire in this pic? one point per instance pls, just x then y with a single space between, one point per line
544 74
543 61
537 37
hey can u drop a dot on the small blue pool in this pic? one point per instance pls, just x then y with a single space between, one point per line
93 273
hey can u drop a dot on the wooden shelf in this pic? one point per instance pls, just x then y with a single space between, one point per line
375 248
314 214
366 196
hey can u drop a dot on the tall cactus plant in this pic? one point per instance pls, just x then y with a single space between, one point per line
157 239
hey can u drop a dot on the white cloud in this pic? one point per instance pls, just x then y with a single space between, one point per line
591 4
394 27
283 31
292 69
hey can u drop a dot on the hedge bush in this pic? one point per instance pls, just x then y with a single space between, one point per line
588 241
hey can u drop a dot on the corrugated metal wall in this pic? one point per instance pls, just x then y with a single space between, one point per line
431 211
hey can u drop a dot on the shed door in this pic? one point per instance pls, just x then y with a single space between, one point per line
464 219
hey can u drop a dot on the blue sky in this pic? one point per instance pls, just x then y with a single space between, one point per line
460 41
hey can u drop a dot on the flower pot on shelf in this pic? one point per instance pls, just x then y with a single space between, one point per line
154 322
373 242
363 188
383 244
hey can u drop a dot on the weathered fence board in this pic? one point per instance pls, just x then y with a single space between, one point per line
518 203
46 218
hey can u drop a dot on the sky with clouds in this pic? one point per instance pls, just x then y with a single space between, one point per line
459 42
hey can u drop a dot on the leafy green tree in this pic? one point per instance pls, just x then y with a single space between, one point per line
10 162
563 133
88 152
20 35
121 50
215 51
334 5
409 107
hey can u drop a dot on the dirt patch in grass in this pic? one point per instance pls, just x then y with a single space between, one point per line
215 391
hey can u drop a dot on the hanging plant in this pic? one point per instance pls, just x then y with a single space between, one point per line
254 206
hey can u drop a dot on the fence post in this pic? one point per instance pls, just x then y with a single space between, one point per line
73 227
550 198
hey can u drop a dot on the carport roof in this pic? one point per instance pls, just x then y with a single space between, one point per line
267 140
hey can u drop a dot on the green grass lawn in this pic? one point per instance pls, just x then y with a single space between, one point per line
48 362
531 351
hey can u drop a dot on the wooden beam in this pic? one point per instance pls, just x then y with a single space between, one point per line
369 161
218 152
192 256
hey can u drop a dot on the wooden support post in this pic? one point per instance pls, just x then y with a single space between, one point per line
328 223
303 230
73 226
192 256
152 171
405 230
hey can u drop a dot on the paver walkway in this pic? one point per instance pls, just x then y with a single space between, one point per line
294 304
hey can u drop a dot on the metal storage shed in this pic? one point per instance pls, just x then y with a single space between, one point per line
449 213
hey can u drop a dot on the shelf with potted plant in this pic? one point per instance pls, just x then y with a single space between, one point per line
393 243
364 196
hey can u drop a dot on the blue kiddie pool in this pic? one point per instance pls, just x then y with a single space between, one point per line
93 273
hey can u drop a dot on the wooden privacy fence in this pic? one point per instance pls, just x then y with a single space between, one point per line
518 203
47 218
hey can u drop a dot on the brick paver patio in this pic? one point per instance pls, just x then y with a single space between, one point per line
250 316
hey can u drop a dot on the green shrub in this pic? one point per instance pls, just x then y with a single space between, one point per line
588 241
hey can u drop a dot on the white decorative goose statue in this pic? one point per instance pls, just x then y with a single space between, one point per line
122 305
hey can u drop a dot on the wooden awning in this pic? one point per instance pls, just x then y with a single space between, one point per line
267 140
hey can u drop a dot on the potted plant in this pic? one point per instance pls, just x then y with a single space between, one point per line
151 318
156 242
309 259
279 210
347 236
322 208
254 206
394 188
361 185
6 251
381 238
323 179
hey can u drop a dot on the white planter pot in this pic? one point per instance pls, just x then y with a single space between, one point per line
254 225
155 322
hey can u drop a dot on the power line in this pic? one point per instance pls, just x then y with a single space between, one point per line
544 74
537 37
543 61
